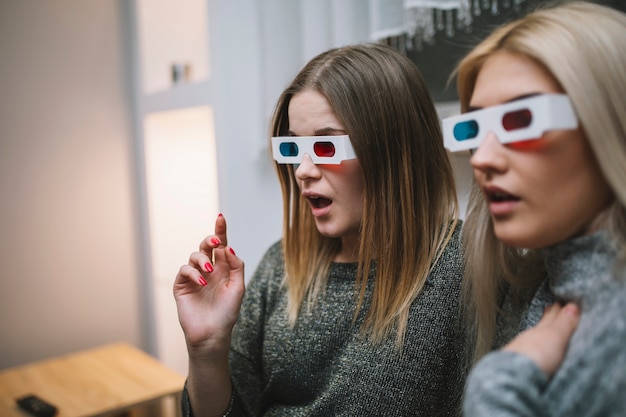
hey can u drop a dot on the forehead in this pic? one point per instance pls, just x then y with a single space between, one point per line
309 112
506 76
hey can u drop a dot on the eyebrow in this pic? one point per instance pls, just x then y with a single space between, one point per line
522 97
327 131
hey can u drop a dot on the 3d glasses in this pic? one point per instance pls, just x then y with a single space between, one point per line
516 121
321 149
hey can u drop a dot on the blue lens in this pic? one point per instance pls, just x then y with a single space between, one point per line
466 130
288 149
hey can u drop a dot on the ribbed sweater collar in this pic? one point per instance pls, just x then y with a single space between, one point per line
578 266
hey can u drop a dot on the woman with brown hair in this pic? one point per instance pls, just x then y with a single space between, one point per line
354 311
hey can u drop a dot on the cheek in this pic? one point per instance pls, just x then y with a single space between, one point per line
568 193
351 186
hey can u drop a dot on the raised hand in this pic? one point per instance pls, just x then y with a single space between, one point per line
208 292
546 343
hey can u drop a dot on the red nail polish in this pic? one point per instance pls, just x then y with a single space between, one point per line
208 267
232 251
220 215
215 241
202 281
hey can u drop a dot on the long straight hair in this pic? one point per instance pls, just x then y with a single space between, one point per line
410 206
583 45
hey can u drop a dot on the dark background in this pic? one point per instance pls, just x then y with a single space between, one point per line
438 60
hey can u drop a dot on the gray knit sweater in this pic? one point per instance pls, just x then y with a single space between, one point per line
324 367
592 379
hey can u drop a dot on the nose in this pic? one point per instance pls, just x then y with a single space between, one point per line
307 169
489 157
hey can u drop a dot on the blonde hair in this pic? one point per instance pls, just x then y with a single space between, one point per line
410 206
583 45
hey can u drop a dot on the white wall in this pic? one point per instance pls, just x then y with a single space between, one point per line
68 239
249 193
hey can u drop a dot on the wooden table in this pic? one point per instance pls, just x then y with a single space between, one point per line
98 382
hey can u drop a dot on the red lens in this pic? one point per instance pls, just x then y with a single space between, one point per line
324 149
517 120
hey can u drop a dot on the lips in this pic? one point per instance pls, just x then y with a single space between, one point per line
319 204
497 195
500 201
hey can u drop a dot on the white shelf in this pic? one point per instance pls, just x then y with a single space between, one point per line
180 96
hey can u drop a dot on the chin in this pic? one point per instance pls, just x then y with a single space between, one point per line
328 233
529 242
521 237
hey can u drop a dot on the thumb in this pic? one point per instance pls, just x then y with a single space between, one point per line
234 262
566 320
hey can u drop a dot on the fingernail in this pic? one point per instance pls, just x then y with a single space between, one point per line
572 309
220 215
232 251
208 267
215 241
202 281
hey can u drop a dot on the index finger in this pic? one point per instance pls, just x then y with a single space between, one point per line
216 240
220 229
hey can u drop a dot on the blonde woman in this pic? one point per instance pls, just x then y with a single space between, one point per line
354 311
544 111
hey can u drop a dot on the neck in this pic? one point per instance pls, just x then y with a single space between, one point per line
349 251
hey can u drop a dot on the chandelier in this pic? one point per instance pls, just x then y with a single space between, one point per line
418 21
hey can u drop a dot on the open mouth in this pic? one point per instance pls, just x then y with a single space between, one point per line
319 202
499 196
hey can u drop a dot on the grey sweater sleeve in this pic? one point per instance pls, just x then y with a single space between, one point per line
505 384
